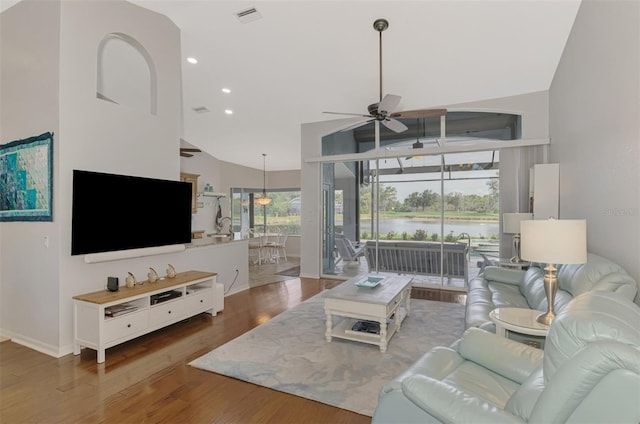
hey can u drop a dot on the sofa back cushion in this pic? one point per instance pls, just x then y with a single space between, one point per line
591 317
532 287
597 273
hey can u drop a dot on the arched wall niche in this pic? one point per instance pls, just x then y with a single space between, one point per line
126 73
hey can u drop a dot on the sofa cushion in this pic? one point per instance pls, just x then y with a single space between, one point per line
590 317
502 275
437 363
597 273
486 294
532 288
524 399
515 362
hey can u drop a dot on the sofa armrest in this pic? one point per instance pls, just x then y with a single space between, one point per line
436 363
508 358
503 275
451 405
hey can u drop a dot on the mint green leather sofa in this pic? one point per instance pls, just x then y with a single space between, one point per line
589 372
501 288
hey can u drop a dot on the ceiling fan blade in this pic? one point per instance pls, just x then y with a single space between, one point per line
357 125
394 125
189 149
420 113
186 155
349 114
388 104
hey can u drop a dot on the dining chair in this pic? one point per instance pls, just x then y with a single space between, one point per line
256 247
280 247
271 240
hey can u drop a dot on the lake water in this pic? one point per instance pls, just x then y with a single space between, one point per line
399 225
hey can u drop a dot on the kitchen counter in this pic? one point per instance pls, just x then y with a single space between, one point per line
213 240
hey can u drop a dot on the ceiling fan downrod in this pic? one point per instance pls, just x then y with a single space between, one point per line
380 25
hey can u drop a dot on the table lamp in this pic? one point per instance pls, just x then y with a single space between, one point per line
554 241
511 225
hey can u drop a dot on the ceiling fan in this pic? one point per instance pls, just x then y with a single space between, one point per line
184 151
383 111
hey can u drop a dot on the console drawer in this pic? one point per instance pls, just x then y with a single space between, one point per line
167 311
125 325
199 300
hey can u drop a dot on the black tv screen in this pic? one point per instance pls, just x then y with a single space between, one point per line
118 212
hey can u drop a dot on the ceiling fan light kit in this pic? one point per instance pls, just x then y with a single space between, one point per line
383 111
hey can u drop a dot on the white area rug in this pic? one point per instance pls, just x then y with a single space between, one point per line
289 353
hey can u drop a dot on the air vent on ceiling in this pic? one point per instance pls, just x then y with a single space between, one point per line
201 109
248 15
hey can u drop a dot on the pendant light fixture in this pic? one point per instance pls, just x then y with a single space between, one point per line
264 200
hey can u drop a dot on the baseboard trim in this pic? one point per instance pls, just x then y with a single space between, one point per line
47 349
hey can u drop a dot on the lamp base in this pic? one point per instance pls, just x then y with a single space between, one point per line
516 246
546 318
550 289
517 260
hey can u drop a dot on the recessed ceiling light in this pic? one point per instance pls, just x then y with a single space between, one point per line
192 60
228 111
226 90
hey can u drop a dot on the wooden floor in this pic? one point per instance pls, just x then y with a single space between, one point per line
147 380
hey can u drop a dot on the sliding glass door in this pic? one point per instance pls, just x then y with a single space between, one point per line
413 211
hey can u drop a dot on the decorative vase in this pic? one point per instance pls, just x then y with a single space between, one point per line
171 271
152 275
130 280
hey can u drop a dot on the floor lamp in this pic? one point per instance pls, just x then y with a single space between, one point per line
511 225
554 241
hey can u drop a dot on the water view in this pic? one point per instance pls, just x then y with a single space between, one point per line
476 229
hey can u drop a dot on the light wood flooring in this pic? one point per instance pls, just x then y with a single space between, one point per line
147 380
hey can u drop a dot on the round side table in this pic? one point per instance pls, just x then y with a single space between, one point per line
519 320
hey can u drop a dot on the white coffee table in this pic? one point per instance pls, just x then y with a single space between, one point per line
520 320
387 303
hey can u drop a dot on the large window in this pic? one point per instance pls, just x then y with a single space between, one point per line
282 215
451 198
412 198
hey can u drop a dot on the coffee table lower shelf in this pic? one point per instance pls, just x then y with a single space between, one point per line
343 330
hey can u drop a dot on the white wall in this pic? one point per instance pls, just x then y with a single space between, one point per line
311 194
105 137
29 272
595 128
49 84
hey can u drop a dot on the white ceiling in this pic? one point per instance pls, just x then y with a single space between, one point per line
305 57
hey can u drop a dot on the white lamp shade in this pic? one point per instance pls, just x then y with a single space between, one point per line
554 241
511 221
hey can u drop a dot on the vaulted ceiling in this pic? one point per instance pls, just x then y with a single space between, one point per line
292 60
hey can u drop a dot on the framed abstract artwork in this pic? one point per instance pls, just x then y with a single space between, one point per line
26 179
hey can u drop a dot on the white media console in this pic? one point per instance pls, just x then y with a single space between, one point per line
104 319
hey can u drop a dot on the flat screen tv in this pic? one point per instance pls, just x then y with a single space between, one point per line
118 212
